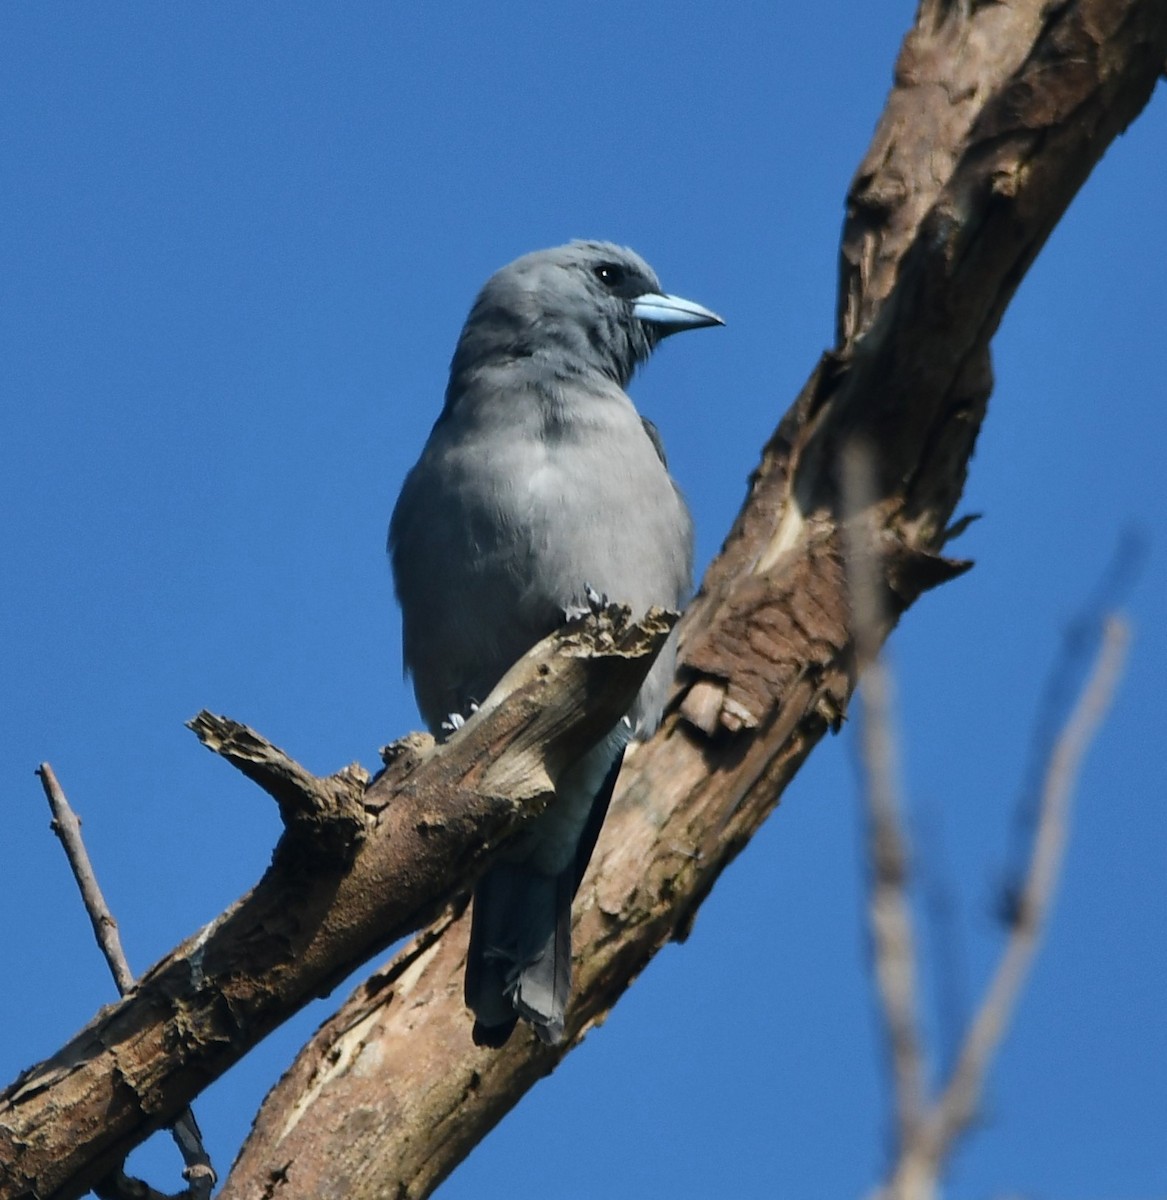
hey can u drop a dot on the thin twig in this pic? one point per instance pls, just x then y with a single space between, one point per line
893 941
67 826
919 1165
927 1130
198 1172
945 957
958 1103
1062 688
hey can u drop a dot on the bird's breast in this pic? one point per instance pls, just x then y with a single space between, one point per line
513 522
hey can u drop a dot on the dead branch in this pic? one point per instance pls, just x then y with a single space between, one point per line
997 116
894 955
927 1129
961 1096
67 826
199 1172
945 222
926 1147
432 819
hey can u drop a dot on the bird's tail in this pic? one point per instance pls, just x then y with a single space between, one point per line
519 960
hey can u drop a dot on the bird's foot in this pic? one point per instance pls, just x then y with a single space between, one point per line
596 603
455 721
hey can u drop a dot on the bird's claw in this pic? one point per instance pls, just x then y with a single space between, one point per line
596 603
454 721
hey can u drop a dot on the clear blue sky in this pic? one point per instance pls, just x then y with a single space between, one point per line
237 244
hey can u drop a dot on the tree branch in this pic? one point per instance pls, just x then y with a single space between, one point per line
67 826
923 1154
960 1098
767 665
963 184
432 820
199 1172
324 818
894 954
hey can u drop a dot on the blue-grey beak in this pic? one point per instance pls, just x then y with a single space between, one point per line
671 314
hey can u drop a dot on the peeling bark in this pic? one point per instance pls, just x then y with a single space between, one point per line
330 900
997 115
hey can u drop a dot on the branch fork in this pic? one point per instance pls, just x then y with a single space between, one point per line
359 866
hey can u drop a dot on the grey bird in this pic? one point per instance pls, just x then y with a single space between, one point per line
540 490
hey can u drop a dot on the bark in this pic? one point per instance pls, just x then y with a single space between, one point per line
360 865
997 115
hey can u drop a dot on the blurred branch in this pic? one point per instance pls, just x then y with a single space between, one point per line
197 1169
959 1099
1080 641
946 957
997 115
892 938
923 1154
961 187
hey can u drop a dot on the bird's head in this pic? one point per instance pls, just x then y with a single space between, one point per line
580 308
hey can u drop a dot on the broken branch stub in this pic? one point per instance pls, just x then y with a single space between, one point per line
430 823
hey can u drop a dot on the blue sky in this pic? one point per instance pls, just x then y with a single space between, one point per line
237 245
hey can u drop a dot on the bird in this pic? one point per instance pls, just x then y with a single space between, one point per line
541 492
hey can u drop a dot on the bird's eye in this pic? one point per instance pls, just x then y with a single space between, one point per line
609 274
